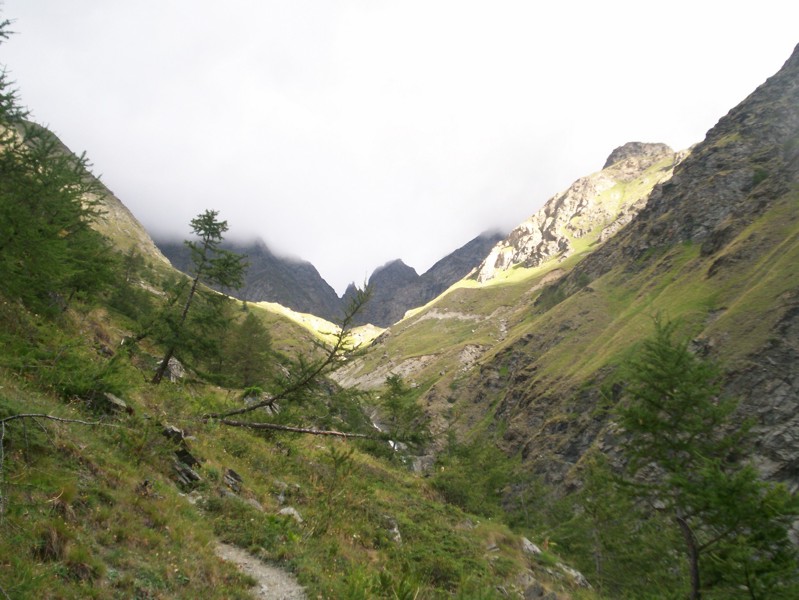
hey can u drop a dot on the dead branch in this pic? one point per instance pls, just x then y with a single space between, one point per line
306 430
54 418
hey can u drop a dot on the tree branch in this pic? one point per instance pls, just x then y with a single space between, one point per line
53 418
338 347
717 538
288 428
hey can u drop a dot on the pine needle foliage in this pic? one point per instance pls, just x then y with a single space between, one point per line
211 265
686 460
48 251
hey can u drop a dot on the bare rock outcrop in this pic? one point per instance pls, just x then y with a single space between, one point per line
592 209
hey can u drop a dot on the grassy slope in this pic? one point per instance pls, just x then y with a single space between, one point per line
492 314
535 389
94 511
536 339
450 347
290 327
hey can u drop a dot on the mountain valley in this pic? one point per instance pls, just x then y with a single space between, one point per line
462 433
296 284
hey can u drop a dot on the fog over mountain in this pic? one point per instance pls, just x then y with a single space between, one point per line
327 129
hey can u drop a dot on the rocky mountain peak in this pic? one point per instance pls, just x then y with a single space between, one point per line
395 271
745 161
396 287
638 151
591 210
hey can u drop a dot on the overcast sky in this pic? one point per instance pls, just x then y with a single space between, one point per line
353 132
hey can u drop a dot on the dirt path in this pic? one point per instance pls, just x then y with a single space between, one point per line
273 582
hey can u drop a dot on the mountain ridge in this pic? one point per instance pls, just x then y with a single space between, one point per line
296 284
292 282
397 288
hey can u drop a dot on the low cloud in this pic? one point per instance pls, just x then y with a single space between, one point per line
351 133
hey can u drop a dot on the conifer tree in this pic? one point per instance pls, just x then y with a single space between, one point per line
248 352
405 419
685 459
211 265
48 199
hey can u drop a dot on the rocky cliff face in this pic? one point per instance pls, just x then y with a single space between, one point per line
396 287
591 210
293 283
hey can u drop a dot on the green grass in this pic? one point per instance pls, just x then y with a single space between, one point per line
581 333
95 511
542 383
75 525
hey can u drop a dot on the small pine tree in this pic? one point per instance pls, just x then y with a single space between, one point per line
684 458
601 528
249 352
211 265
405 418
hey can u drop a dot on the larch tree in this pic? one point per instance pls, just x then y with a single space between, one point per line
211 265
48 200
249 350
685 458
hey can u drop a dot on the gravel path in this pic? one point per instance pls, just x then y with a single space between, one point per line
273 582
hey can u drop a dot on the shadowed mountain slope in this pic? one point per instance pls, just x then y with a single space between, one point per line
294 283
397 288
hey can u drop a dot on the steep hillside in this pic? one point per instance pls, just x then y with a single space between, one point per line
531 362
569 226
114 220
717 247
119 225
113 486
526 358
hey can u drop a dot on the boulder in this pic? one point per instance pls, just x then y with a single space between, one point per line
107 402
185 474
182 453
233 480
290 511
530 548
